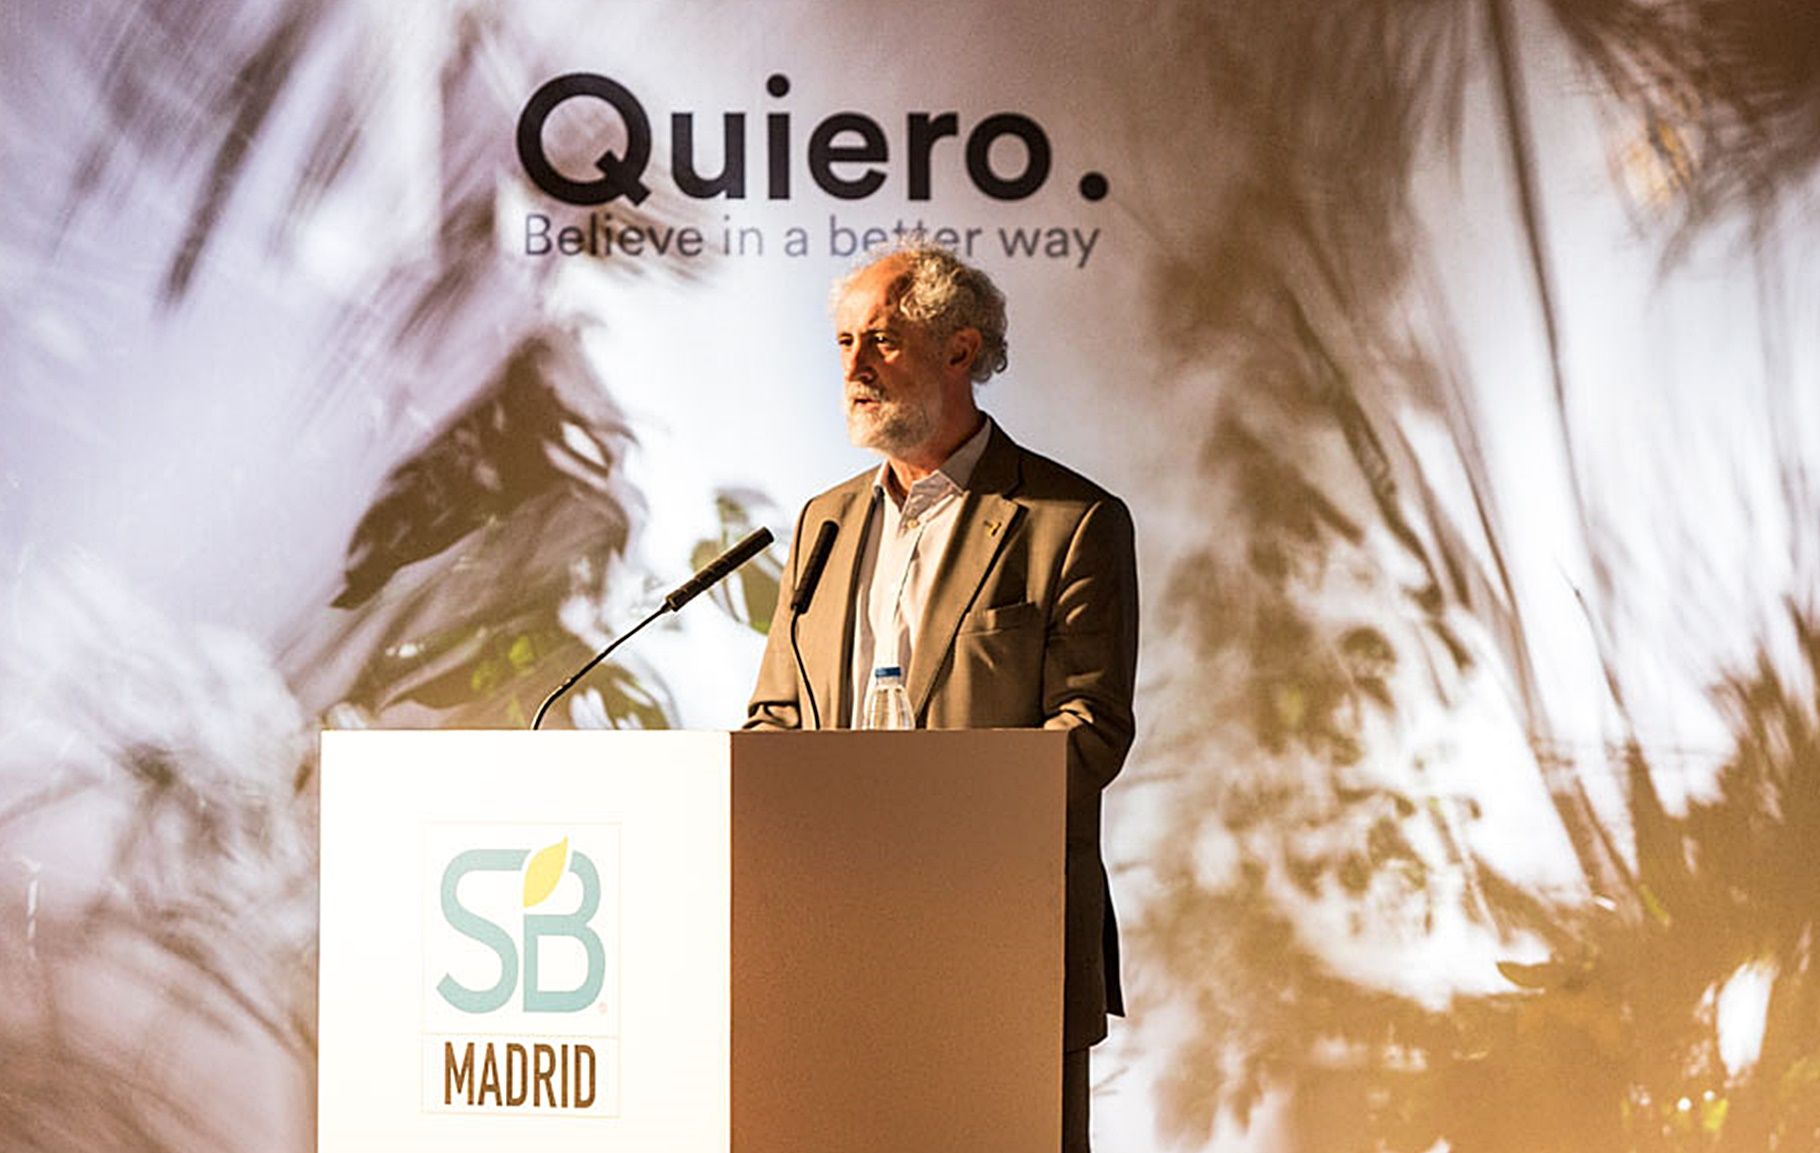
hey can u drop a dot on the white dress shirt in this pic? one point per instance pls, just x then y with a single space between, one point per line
903 549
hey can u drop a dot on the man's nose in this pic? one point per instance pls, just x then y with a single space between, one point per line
855 364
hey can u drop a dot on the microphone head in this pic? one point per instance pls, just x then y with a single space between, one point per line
748 547
717 569
812 571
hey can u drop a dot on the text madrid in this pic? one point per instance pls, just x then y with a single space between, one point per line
846 155
535 1076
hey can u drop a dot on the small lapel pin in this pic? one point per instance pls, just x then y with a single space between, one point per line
992 527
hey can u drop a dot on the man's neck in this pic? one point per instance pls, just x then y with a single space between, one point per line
926 459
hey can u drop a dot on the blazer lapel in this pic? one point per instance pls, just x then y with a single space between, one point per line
827 629
986 520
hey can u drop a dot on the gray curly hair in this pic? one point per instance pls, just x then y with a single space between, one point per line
939 290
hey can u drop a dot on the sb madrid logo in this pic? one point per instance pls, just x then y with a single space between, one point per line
521 964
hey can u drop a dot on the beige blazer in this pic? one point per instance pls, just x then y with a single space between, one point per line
1032 623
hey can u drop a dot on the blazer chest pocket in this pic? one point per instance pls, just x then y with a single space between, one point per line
1021 615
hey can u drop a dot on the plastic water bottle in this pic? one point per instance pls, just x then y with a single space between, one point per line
887 701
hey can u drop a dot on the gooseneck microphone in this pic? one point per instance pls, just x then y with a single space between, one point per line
812 572
711 574
799 603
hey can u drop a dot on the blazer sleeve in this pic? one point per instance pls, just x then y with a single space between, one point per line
776 701
1090 655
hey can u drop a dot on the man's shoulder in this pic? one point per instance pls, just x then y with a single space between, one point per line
860 484
1044 480
848 498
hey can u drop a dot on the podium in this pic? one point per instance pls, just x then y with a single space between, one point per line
691 942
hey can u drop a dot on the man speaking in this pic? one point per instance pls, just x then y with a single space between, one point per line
1002 585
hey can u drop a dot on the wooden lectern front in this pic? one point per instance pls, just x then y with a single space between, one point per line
726 943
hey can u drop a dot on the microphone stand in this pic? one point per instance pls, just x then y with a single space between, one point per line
808 688
589 667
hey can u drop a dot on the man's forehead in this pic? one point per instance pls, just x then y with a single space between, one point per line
887 270
868 303
881 282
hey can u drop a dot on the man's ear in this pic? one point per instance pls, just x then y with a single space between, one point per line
963 347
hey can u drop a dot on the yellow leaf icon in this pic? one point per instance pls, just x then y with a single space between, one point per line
544 871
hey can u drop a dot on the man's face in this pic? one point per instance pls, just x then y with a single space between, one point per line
892 369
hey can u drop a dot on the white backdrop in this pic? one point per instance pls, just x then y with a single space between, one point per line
1451 358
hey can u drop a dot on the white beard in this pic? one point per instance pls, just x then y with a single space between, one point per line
891 426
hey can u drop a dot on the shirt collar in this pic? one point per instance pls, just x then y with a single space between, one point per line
954 473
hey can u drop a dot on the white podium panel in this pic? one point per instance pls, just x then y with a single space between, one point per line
624 942
491 902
